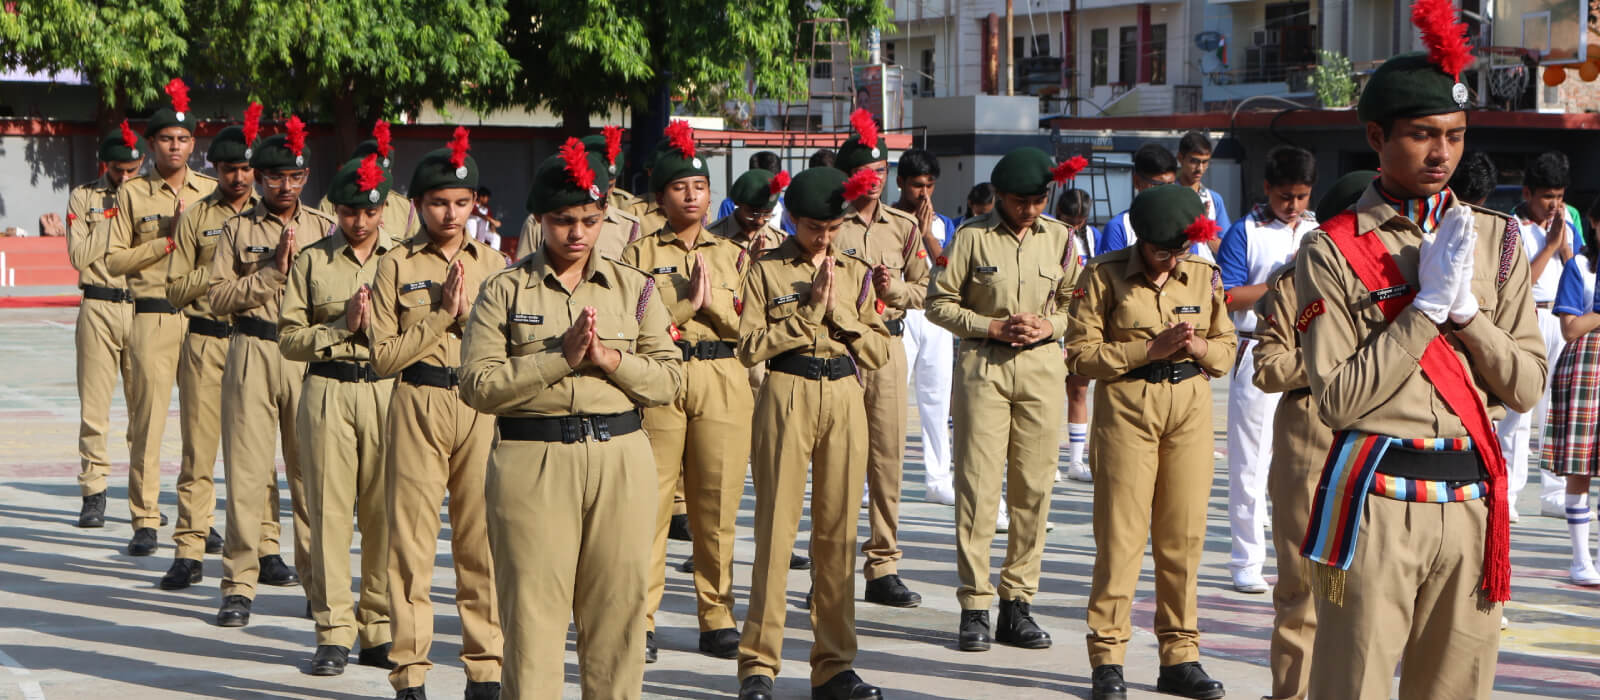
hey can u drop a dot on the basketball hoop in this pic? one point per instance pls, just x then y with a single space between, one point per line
1508 72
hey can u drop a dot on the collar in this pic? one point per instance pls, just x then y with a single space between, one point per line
540 271
157 183
259 213
1134 268
879 215
215 199
422 243
341 245
666 236
1425 212
797 256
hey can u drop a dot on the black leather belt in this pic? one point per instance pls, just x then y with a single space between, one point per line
206 326
424 374
705 349
1298 393
1433 465
896 326
344 371
116 294
1546 305
1007 345
153 305
256 328
1157 372
810 367
1252 335
568 429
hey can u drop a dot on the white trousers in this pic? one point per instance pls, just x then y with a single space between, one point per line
1249 455
1520 442
930 357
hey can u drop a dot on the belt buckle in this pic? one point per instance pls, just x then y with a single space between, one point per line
602 428
451 376
572 429
814 367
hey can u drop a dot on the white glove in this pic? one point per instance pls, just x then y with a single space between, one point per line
1443 261
1465 306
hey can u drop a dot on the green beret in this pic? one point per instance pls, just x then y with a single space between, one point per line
753 189
853 154
436 171
229 147
596 143
367 147
347 186
817 193
1161 214
114 147
1024 172
168 117
671 165
1409 86
1344 193
555 187
274 153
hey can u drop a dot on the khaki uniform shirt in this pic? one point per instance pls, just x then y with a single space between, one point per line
987 274
512 359
146 209
778 316
90 209
1365 372
245 280
664 257
620 198
1116 310
766 238
1279 364
641 203
399 219
408 325
891 239
189 266
313 327
651 219
616 233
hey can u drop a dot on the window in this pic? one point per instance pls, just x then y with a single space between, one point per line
888 52
1157 51
822 70
1128 55
1099 56
1041 44
927 72
1019 49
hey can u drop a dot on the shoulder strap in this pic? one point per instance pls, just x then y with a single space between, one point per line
1372 263
644 298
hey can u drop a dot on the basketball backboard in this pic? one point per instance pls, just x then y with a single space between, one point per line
1558 32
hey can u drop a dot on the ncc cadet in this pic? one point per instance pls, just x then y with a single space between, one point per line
755 196
608 143
648 210
1002 287
141 237
1299 446
327 311
435 444
1150 325
205 351
105 316
1419 331
811 314
564 347
620 228
701 436
248 272
399 217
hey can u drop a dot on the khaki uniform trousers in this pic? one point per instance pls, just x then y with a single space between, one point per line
886 453
800 422
1300 446
1007 405
154 345
1411 594
263 392
703 438
1150 454
436 444
200 366
340 426
101 338
569 545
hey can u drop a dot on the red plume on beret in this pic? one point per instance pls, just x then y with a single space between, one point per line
128 139
369 176
1201 230
297 135
252 123
1068 169
861 121
860 184
613 136
778 182
459 145
576 159
681 136
380 133
1444 34
179 93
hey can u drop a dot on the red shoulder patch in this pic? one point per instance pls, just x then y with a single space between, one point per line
1311 311
71 217
1271 320
922 253
1227 298
879 306
941 261
738 305
672 330
111 213
1080 292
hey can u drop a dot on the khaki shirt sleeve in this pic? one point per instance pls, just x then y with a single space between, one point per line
719 311
491 381
86 242
122 256
394 349
765 333
864 331
944 293
1061 316
299 337
651 374
1508 353
185 281
230 293
1089 352
1221 342
1279 364
912 292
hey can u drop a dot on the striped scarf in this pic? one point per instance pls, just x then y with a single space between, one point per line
1425 212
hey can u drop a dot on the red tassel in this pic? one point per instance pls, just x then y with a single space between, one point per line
459 145
128 139
681 136
576 159
1444 34
380 133
861 121
778 182
297 135
860 184
179 93
369 176
1068 170
1201 230
252 123
613 136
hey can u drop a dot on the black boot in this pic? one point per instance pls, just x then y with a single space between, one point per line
974 635
276 573
678 529
650 649
799 562
891 591
235 611
687 566
93 513
1017 627
213 542
183 574
483 690
417 693
755 688
1188 680
329 660
1108 684
163 519
723 644
377 656
143 543
845 686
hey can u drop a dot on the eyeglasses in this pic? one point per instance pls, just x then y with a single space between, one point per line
758 216
1162 255
279 179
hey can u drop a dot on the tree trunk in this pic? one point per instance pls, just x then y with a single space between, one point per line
575 118
649 121
346 126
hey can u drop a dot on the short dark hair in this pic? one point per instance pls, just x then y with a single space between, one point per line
483 191
916 162
1290 165
1475 178
982 193
1194 142
823 158
765 160
1153 159
1072 204
1548 171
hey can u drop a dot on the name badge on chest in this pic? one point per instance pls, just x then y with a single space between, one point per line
850 251
667 270
256 249
987 268
530 319
1187 310
414 286
1389 293
210 233
152 217
787 298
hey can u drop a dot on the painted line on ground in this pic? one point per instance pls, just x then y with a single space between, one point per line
30 689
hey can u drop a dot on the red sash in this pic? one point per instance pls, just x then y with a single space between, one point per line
1376 269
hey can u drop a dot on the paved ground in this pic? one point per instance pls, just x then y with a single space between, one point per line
80 619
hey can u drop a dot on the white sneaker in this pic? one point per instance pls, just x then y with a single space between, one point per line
1057 476
1583 575
1078 471
1504 623
1003 523
1249 582
941 494
1513 515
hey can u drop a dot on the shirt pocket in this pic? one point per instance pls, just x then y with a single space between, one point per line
783 308
326 306
147 230
254 257
527 334
418 302
621 334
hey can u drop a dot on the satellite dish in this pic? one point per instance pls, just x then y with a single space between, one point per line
1209 41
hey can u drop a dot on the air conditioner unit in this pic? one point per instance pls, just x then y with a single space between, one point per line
1258 38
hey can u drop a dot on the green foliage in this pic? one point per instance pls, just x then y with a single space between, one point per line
1333 80
127 49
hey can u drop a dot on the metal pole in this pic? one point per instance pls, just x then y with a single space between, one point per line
1010 53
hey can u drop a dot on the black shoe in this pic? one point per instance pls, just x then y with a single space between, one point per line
974 635
143 543
163 519
1188 680
329 660
483 690
183 574
235 611
213 542
891 591
799 562
1017 628
687 566
377 656
845 686
678 529
755 688
276 573
650 650
308 611
417 693
93 513
723 644
1108 685
807 604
